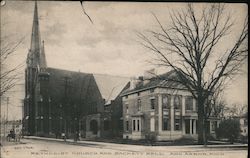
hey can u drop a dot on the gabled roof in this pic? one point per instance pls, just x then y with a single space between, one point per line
167 80
77 83
110 86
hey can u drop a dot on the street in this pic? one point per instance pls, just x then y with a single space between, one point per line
85 149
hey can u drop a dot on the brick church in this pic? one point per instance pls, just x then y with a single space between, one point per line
61 101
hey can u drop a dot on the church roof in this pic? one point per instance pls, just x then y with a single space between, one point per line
77 83
109 86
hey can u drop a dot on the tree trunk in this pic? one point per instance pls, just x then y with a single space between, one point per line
201 135
205 131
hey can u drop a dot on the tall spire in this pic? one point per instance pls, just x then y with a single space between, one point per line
35 37
36 48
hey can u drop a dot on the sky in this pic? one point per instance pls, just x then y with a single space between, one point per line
108 46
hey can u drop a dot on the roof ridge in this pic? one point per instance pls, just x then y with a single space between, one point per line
69 70
60 69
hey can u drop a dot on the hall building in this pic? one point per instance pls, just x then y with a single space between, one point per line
160 108
60 101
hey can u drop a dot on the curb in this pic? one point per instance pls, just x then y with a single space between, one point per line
70 141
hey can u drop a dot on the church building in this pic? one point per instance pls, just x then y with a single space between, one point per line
61 101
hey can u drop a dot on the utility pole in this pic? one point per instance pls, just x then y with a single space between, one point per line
7 114
4 125
6 119
7 108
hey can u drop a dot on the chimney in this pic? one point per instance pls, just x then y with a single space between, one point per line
133 83
148 74
140 78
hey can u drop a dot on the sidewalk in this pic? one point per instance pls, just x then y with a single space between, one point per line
4 142
98 143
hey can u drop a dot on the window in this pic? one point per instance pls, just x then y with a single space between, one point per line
139 104
189 103
138 94
152 103
177 124
245 122
177 102
152 90
214 125
120 124
165 123
133 125
138 125
127 125
93 107
40 106
95 110
166 102
126 106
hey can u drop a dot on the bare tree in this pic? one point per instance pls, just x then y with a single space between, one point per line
237 110
216 104
9 75
190 48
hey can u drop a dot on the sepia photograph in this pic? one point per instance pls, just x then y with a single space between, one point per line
107 79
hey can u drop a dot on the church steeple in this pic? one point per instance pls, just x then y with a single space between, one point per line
36 52
35 36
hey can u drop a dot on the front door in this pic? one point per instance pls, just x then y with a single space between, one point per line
187 126
94 126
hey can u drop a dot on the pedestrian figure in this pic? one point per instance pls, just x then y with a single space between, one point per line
57 134
79 136
64 137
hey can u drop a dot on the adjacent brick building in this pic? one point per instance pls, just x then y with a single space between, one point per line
160 108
